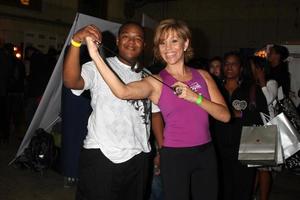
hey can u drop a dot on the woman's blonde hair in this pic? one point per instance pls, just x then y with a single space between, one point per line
182 30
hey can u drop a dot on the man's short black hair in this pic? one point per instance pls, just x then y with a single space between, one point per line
131 23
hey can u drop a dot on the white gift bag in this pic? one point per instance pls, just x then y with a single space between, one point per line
259 145
288 134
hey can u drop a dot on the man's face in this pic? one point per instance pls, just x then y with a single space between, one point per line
130 43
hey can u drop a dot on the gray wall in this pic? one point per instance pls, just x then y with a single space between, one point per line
219 26
49 26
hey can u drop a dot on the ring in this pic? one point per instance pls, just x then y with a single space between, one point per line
178 90
98 43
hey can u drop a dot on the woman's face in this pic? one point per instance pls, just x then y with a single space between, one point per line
172 47
273 57
215 68
232 67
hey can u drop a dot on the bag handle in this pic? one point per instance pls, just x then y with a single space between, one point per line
265 118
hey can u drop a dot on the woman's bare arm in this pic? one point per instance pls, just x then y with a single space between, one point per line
134 90
216 107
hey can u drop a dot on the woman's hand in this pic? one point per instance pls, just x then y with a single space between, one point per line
237 113
183 91
92 48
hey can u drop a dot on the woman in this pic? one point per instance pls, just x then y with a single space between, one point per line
215 67
188 164
245 102
279 69
269 88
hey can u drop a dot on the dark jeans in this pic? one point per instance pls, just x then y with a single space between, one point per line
101 179
156 188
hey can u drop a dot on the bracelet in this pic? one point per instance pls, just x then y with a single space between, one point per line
199 100
75 44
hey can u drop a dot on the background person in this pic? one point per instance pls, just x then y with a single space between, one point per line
245 101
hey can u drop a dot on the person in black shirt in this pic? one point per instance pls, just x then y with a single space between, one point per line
279 70
245 100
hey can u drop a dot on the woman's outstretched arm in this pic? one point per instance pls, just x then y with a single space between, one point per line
135 90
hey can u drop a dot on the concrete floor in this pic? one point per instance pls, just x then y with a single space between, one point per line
17 184
23 184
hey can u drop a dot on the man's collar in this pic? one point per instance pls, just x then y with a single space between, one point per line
124 64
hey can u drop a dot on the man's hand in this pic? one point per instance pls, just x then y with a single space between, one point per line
88 31
157 165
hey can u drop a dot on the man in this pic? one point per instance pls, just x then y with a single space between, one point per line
114 160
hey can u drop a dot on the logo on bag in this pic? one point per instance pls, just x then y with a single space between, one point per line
239 105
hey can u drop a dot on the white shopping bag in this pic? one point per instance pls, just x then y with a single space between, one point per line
288 134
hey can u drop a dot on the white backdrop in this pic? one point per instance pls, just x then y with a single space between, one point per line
49 108
294 68
48 111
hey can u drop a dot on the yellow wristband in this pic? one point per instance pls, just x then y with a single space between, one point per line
75 44
199 100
